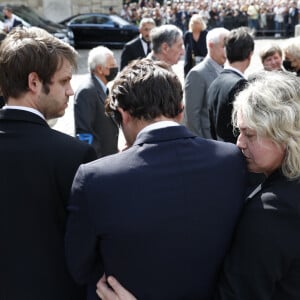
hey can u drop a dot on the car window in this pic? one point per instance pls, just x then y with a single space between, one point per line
83 20
103 20
119 20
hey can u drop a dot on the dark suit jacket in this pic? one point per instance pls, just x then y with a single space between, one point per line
2 102
38 165
264 262
131 51
159 215
90 117
221 95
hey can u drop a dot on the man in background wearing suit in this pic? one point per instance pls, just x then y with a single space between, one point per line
198 81
38 165
155 213
239 45
140 46
91 122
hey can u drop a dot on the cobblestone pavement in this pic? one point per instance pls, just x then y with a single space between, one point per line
66 123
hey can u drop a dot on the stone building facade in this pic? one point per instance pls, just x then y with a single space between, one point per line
58 10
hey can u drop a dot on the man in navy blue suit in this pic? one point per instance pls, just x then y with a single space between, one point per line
161 211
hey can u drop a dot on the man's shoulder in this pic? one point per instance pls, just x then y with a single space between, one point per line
67 143
88 84
227 77
203 69
133 42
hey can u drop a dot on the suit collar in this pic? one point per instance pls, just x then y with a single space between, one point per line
21 115
213 64
163 134
229 69
102 93
98 82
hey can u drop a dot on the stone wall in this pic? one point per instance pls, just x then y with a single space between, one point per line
57 10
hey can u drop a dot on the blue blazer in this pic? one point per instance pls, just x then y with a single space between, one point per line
159 216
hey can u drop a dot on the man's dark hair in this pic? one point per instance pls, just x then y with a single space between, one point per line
146 89
239 44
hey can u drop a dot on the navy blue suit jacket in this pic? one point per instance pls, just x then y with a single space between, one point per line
159 216
220 97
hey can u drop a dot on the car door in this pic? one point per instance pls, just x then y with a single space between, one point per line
108 32
83 29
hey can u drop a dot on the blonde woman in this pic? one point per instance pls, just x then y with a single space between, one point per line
194 43
264 260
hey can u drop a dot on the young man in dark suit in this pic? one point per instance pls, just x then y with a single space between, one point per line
155 213
89 112
139 47
37 166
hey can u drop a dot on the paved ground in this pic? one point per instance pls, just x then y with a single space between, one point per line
66 123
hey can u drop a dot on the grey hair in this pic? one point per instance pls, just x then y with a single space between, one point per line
98 56
164 34
292 46
146 21
214 35
270 105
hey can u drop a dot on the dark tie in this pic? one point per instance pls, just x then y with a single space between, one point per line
148 48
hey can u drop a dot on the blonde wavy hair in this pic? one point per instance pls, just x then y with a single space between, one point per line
196 18
270 105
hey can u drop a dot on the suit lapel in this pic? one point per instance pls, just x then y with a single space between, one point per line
102 96
141 49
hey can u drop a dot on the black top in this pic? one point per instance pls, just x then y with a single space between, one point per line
264 262
191 46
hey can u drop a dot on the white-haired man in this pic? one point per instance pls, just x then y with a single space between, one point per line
91 122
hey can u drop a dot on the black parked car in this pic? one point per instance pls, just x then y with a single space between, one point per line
31 18
93 29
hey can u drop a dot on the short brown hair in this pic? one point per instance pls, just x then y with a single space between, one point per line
146 89
27 50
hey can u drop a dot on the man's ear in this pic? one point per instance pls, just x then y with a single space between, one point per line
99 69
126 117
164 47
179 117
34 82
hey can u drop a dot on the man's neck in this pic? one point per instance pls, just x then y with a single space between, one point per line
240 65
160 57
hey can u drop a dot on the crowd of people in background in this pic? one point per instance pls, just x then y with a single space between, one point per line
276 17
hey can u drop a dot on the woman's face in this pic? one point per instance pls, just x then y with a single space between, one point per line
196 27
295 63
262 154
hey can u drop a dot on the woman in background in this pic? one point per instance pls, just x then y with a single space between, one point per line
291 52
194 43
